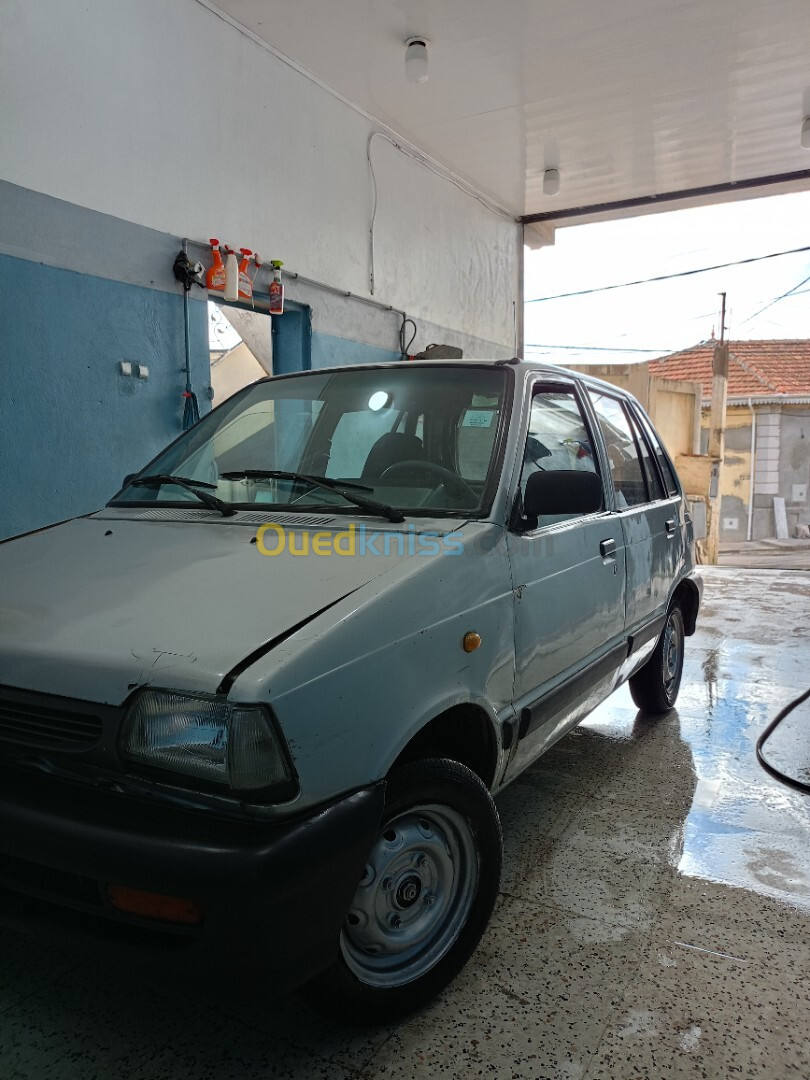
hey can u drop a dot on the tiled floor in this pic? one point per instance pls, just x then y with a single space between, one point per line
654 922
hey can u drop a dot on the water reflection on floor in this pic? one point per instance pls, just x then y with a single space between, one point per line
654 919
744 829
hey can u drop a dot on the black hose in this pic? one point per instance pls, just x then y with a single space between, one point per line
184 272
790 781
403 348
191 410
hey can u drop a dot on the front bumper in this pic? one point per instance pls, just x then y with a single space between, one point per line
274 896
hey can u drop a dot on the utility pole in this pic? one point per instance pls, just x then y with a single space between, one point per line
717 434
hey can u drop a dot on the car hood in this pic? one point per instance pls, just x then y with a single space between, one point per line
96 606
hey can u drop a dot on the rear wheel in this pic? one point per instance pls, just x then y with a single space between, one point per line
426 895
655 687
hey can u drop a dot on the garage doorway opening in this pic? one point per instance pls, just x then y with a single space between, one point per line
246 345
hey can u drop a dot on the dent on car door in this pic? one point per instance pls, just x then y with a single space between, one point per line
568 573
650 512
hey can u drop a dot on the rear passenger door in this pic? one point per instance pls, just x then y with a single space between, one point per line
649 506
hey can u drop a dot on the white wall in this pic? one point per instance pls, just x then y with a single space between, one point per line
164 115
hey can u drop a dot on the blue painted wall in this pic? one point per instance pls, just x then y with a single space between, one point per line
71 426
329 351
297 348
292 340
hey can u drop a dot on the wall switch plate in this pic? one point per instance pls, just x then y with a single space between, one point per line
142 371
124 367
731 523
799 493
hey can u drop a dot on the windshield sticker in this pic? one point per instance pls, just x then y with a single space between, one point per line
478 418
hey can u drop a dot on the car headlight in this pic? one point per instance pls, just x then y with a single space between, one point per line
230 745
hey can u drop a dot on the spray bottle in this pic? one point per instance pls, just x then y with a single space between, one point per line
215 276
231 274
276 289
245 282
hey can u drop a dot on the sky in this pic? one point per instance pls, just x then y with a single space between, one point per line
662 317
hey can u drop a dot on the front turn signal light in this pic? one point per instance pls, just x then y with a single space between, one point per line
150 905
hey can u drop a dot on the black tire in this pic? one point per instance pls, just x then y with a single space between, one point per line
425 898
655 687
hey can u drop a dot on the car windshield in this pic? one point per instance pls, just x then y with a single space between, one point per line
420 440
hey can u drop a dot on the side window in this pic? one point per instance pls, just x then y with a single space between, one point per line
558 439
654 487
626 468
668 473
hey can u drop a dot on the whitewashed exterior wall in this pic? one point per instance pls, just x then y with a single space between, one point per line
165 115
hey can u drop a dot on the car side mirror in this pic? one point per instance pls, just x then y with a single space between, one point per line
561 491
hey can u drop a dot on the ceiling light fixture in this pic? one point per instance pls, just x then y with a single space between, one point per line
416 59
551 182
806 133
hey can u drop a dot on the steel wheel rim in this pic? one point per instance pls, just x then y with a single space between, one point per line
672 653
414 898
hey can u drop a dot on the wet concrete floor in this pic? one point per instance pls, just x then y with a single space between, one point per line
654 920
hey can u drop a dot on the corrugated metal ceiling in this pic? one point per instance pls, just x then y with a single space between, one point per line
628 98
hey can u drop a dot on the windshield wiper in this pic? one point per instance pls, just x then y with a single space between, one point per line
211 501
322 482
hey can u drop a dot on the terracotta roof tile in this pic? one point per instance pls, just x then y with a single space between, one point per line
755 369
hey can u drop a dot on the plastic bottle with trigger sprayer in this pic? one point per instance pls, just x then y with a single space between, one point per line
215 276
231 275
245 282
276 289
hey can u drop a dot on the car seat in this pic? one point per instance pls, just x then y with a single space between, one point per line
390 449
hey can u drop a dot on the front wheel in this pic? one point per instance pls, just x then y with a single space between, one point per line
655 687
425 898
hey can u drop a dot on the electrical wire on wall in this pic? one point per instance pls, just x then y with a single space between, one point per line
437 170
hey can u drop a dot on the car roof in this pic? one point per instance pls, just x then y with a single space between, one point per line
515 363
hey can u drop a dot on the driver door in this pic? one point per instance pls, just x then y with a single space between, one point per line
568 577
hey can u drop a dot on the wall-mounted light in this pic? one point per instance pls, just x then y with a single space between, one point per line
551 182
806 133
416 59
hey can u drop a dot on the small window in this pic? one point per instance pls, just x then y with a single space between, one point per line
668 473
654 488
623 453
558 439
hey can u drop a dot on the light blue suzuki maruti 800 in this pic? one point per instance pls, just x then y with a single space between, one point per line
255 709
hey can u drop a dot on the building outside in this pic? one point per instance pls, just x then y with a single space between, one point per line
767 440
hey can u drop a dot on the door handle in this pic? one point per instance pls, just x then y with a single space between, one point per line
670 526
607 548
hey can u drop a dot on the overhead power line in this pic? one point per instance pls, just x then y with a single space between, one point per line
668 277
776 299
598 348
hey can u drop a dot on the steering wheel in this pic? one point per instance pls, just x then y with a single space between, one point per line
457 487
